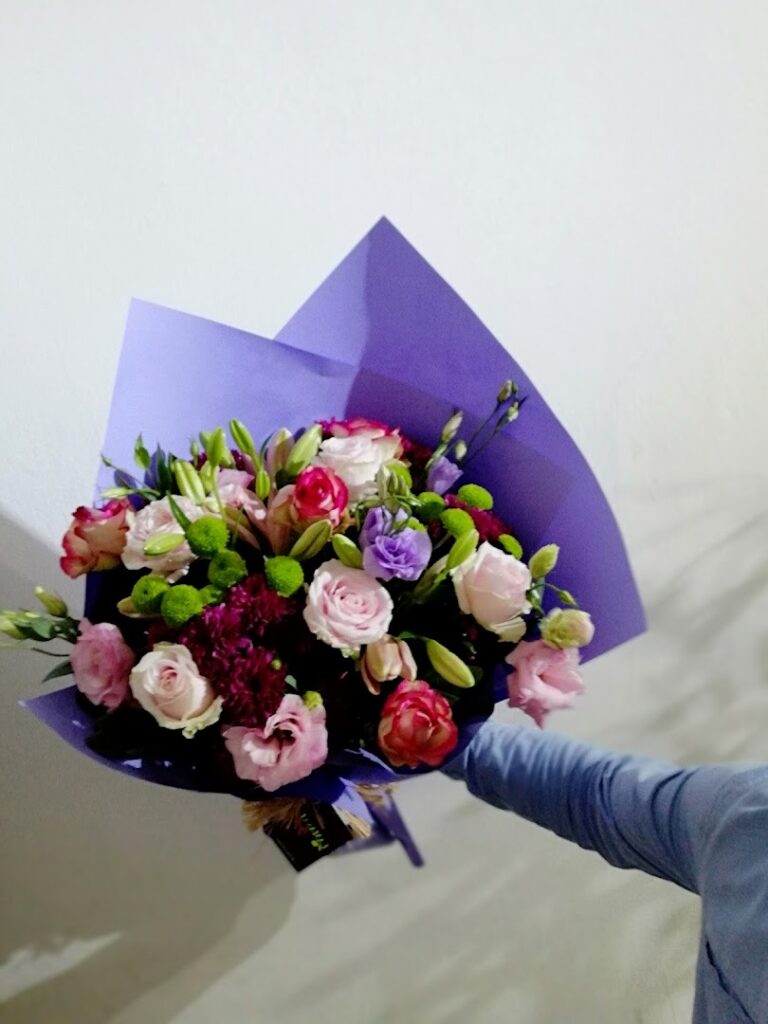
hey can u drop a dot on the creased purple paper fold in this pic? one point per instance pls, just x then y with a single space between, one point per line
384 337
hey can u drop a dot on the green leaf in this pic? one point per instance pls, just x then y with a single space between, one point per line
182 519
64 669
140 454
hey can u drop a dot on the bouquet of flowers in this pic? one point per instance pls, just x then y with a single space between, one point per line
300 616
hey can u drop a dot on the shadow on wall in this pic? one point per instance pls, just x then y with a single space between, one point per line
111 886
707 669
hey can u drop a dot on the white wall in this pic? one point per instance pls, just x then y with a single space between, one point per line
591 178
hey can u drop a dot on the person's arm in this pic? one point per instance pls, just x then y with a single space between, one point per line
635 812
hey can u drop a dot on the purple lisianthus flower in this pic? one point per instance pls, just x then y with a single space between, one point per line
403 555
442 475
379 521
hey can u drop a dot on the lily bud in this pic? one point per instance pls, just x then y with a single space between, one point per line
52 603
449 665
304 450
463 547
189 481
312 541
347 551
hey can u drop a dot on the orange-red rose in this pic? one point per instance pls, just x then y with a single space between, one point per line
417 726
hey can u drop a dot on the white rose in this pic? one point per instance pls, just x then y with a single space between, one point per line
167 684
154 519
491 586
357 459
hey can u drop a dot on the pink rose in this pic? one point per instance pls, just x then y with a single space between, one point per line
154 519
168 684
346 607
386 659
417 726
357 457
95 538
101 662
491 586
319 494
293 742
544 679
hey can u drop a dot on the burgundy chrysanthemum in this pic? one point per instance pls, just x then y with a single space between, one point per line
230 643
489 526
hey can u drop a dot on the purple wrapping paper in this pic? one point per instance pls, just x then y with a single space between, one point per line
385 337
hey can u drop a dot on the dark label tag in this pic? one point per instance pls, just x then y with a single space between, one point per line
320 832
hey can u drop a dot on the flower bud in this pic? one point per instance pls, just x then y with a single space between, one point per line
263 484
312 541
347 551
9 629
567 627
304 450
188 479
312 699
386 659
52 603
449 665
451 427
507 389
543 561
163 544
242 438
464 546
459 450
278 449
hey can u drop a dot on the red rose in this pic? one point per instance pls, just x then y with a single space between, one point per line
320 494
95 538
417 726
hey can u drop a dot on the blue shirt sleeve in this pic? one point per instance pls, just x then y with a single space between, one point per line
705 828
635 812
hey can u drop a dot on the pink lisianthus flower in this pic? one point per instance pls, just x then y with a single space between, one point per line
292 743
155 519
96 538
417 726
544 679
101 663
